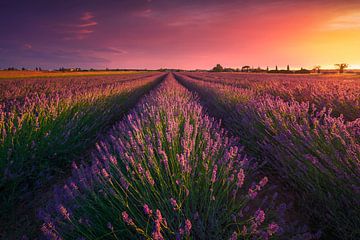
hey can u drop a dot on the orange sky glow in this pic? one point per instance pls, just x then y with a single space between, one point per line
185 34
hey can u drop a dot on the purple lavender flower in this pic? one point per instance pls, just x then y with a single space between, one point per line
49 231
173 203
105 173
159 215
156 234
147 210
110 226
252 193
126 218
272 228
234 236
188 227
214 172
164 158
149 178
240 178
63 211
259 216
124 183
140 169
263 181
244 231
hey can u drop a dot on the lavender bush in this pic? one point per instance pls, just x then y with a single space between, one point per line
167 171
341 94
313 153
44 129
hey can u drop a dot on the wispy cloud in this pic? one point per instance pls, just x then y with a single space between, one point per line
89 24
113 50
349 21
87 16
81 29
145 13
193 17
27 46
87 20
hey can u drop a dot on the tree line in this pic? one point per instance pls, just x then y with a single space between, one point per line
316 69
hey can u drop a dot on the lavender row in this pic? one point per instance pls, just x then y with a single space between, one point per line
167 171
18 89
340 93
316 155
38 138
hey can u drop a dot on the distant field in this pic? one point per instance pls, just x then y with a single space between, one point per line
26 74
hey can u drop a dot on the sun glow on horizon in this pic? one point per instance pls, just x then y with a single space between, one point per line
189 35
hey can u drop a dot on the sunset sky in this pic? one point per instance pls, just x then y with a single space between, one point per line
184 34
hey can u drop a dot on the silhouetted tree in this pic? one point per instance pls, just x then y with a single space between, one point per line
288 68
228 70
218 68
245 69
276 68
342 66
267 69
317 69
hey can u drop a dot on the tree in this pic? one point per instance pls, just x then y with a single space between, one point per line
288 68
341 66
317 69
267 69
276 68
245 69
218 68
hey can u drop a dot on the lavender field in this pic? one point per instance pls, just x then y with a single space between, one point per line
289 125
45 124
183 155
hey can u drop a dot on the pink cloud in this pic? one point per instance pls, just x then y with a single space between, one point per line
27 46
89 24
87 20
144 13
347 21
84 31
81 30
78 34
87 16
